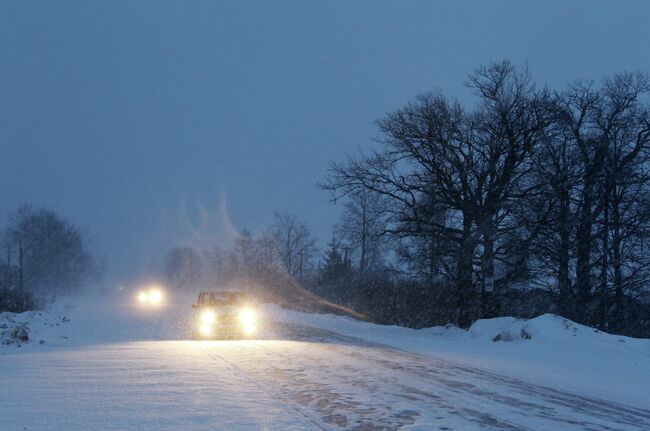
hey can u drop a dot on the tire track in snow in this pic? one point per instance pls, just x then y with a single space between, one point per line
379 413
290 377
357 388
304 417
428 368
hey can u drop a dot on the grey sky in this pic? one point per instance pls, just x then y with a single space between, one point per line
136 119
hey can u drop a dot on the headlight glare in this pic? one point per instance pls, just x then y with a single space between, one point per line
208 316
249 328
155 296
247 316
205 329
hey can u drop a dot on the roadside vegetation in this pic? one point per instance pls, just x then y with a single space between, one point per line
45 256
533 200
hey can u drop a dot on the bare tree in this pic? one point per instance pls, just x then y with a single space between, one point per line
268 252
184 268
510 122
294 243
361 227
450 175
424 160
609 129
54 256
556 172
624 185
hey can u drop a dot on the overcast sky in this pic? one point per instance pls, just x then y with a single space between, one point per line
138 121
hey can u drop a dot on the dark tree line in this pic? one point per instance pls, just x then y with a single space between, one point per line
530 188
45 256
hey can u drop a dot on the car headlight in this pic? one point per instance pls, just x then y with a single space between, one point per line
205 329
247 316
208 316
155 296
249 328
143 297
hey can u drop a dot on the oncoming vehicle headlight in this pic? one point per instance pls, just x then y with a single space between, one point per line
205 329
249 328
155 296
247 317
208 316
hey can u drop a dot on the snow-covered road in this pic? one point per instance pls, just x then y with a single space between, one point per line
296 378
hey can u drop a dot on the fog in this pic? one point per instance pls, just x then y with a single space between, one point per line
153 124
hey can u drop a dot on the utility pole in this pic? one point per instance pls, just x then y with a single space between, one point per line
20 266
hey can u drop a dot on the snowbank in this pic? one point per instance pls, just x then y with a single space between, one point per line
32 327
88 320
547 350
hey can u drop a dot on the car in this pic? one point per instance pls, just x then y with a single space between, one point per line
225 314
150 296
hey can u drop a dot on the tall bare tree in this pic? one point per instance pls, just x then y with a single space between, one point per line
608 127
295 243
450 174
361 227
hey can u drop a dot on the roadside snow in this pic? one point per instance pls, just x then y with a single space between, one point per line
547 350
107 363
84 321
30 328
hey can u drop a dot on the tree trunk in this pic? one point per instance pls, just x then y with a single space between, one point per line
20 267
464 273
364 239
432 260
616 263
583 254
488 295
604 264
563 256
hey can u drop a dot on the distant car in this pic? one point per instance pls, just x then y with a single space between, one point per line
150 296
225 314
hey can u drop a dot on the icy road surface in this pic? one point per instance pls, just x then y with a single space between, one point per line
296 378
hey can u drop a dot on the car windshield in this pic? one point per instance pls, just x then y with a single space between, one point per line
220 298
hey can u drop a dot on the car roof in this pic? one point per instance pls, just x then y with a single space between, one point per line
221 292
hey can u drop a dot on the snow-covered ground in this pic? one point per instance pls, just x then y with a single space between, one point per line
109 364
546 350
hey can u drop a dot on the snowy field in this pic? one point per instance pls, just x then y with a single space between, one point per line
112 365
